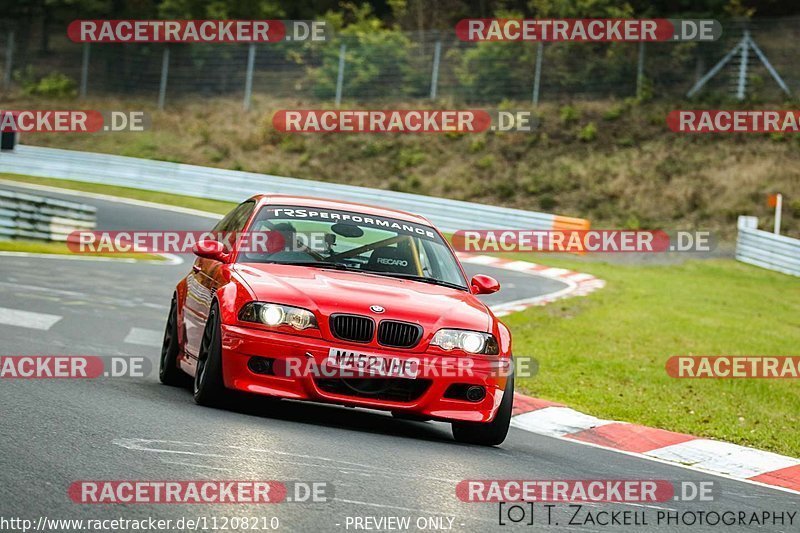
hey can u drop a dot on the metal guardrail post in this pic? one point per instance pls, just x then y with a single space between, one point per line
437 53
9 60
537 75
713 72
340 75
778 209
741 86
769 67
84 70
248 80
640 71
162 88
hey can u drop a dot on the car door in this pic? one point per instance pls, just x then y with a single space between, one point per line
204 280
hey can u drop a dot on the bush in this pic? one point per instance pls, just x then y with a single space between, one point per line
588 133
379 61
53 85
614 112
569 114
409 158
794 207
486 162
491 71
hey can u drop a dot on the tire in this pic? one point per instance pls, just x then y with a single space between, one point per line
209 389
490 433
168 372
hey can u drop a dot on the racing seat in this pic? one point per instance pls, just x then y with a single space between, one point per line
392 259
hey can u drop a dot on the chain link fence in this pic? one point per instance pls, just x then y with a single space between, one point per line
393 66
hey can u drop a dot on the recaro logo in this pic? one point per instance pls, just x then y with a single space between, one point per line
393 262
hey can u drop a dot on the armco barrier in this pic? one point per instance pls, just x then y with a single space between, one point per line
25 216
765 249
220 184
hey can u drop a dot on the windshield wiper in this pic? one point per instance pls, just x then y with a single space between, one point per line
325 264
317 264
401 275
423 279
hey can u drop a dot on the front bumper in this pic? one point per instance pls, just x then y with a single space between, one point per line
240 344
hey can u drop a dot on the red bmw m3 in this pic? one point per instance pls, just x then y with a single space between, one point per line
340 303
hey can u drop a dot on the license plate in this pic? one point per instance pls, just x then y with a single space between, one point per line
359 364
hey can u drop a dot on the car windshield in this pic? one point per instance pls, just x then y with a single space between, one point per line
347 240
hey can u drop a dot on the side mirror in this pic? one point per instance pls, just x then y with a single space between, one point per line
481 284
210 249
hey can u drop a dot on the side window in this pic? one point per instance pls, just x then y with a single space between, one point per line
429 268
235 221
242 214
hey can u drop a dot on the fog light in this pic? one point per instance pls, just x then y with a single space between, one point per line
475 393
260 365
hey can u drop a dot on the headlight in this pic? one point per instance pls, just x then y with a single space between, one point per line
277 315
467 341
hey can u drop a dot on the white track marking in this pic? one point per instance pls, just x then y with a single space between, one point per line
556 421
663 461
524 303
553 272
724 457
143 337
479 259
27 319
520 266
579 276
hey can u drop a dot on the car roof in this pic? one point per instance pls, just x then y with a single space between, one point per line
324 203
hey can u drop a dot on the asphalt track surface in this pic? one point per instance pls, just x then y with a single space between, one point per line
55 432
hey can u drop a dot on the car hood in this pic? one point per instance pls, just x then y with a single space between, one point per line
330 291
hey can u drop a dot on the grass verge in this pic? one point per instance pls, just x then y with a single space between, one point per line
605 354
60 248
190 202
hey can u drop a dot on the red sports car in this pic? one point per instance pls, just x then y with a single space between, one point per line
341 303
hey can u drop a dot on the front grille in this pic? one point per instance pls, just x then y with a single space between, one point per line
401 390
352 328
399 334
